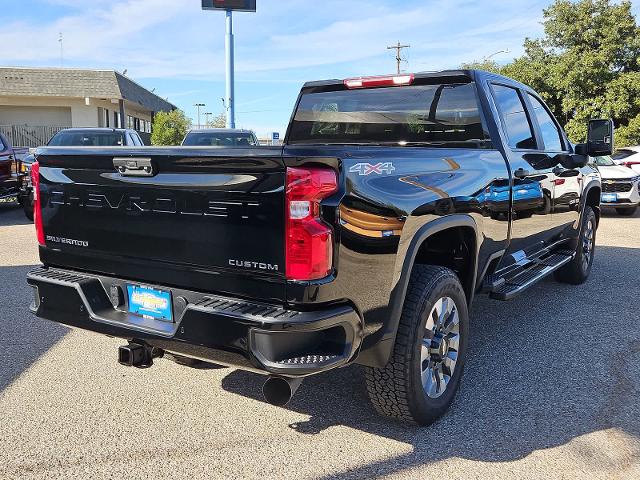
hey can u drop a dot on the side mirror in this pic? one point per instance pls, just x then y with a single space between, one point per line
599 139
570 161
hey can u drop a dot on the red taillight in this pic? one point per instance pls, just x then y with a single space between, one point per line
559 181
629 163
309 241
37 211
383 81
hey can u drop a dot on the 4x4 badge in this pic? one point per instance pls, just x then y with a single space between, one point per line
368 168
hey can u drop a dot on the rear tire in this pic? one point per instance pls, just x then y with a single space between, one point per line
421 379
627 212
577 271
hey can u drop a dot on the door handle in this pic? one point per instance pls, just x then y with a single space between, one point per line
521 173
135 167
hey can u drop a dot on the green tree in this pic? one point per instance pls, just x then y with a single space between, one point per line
169 128
486 65
587 65
219 121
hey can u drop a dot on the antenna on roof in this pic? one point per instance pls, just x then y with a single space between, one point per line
125 72
60 39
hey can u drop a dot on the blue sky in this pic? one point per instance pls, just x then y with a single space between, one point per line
176 48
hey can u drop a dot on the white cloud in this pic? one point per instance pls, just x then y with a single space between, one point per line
174 39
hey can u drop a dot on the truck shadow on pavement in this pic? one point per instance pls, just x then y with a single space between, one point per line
23 337
557 363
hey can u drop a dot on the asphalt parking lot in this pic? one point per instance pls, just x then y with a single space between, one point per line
551 391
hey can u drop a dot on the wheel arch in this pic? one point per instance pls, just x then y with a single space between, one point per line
592 194
420 251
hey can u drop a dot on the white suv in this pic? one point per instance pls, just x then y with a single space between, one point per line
620 186
629 157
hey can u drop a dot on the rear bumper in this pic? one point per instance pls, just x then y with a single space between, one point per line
254 336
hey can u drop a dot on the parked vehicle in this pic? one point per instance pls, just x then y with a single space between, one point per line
364 239
220 137
10 171
96 137
628 157
76 137
620 186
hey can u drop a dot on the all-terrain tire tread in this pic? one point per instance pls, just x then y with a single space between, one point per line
388 387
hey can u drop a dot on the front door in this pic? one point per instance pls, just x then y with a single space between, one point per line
567 183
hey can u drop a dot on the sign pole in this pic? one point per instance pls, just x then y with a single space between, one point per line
230 100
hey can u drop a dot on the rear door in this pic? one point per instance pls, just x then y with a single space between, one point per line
532 222
201 219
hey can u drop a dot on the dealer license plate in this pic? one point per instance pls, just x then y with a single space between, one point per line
150 302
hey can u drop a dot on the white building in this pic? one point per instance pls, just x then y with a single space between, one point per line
37 102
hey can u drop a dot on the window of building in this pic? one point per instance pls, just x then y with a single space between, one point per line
129 121
117 122
550 134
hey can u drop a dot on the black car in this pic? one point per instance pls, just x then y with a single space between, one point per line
76 137
364 239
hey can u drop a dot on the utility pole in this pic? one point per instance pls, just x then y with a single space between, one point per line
398 48
229 6
228 46
207 115
198 106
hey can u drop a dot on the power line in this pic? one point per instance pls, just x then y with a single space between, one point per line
398 48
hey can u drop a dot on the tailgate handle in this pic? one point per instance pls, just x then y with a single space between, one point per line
136 167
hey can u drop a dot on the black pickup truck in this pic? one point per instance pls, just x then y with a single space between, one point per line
11 175
364 239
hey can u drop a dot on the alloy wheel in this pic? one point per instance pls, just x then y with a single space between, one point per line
587 244
440 345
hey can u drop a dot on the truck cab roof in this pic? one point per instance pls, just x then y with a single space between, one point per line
462 74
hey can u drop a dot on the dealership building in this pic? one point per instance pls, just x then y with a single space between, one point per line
35 103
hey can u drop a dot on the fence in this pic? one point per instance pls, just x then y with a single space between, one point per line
24 136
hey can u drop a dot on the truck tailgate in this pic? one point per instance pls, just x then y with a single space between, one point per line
205 219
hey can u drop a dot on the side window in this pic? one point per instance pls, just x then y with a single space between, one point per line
514 115
2 146
550 134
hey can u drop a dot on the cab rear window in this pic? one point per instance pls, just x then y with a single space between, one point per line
87 139
435 115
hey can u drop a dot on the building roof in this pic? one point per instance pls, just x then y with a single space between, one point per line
79 83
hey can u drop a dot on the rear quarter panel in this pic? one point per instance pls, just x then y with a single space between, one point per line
387 195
